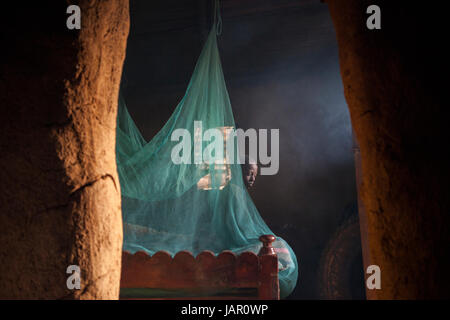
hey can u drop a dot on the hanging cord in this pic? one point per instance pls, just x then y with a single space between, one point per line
217 17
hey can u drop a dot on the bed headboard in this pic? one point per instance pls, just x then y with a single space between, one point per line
226 276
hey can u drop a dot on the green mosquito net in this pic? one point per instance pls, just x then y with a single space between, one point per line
178 193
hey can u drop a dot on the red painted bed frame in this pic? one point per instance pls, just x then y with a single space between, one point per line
206 273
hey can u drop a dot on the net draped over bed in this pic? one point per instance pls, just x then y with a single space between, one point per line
191 206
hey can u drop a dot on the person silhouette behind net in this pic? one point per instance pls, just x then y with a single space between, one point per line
249 171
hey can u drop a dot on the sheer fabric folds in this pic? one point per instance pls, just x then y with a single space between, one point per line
191 206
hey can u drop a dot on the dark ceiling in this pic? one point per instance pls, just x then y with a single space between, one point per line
257 35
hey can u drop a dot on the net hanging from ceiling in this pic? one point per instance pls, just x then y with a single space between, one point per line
191 206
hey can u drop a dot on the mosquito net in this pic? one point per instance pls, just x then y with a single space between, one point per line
184 189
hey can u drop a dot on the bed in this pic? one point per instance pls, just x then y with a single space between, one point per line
221 277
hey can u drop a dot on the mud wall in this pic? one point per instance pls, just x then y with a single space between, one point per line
60 196
396 103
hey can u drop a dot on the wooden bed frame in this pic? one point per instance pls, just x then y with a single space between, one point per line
226 276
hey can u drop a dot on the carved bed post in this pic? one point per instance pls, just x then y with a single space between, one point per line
269 288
